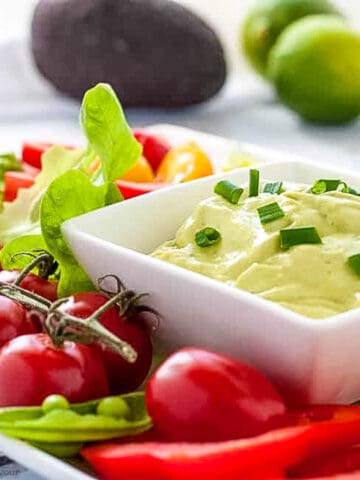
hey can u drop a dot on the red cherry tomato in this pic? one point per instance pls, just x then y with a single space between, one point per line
32 283
134 189
154 148
14 321
31 368
123 376
200 396
13 181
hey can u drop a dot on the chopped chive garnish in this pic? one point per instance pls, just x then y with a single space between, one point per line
290 237
350 190
354 262
229 191
207 237
273 188
254 183
324 185
270 213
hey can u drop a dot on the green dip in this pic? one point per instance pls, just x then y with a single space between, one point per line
313 280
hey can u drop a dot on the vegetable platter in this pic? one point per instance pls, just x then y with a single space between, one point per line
85 311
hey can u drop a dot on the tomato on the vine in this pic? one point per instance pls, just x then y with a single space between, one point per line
33 283
200 396
14 321
31 368
123 376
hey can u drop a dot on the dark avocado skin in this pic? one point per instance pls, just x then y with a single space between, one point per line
155 53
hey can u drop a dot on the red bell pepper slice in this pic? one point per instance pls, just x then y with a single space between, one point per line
134 189
262 457
13 181
33 151
154 148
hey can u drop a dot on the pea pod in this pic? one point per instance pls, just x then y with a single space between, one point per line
61 428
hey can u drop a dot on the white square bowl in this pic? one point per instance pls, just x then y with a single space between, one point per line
311 360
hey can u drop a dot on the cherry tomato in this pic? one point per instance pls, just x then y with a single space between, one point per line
123 376
154 148
13 181
133 189
184 163
31 368
140 172
200 396
14 321
32 283
33 151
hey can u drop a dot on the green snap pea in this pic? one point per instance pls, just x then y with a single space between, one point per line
61 429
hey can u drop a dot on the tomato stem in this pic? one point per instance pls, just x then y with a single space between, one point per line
56 322
45 262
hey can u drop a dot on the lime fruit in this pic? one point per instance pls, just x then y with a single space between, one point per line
315 68
268 19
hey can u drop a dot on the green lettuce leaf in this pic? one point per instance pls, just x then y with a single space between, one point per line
68 196
9 255
107 131
22 216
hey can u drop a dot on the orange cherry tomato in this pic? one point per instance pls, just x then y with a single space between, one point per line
141 172
184 163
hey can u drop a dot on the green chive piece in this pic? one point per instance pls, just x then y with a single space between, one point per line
349 190
354 262
229 191
270 213
290 237
207 237
254 182
273 188
325 185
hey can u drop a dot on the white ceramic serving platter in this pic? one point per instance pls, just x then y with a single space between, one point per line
319 356
315 360
218 150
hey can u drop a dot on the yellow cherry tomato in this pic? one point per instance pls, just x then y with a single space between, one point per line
184 163
141 172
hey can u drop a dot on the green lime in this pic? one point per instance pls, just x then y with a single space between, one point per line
315 68
268 19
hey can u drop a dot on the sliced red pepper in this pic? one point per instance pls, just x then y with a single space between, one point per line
341 462
33 151
13 181
134 189
154 148
262 457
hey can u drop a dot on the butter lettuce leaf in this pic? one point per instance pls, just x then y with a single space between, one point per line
104 124
9 255
68 196
22 216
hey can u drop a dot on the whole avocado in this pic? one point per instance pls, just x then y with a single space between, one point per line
155 53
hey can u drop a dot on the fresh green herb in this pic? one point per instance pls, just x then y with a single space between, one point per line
207 237
273 188
349 190
354 262
270 213
229 191
68 196
325 185
254 182
290 237
108 133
